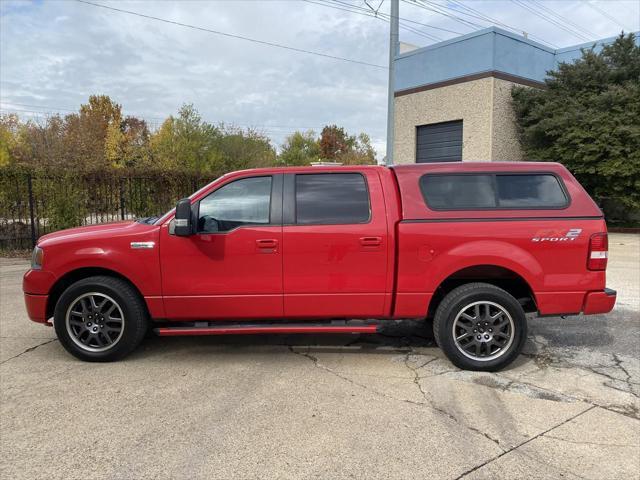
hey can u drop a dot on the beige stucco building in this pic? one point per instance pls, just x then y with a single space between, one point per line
453 98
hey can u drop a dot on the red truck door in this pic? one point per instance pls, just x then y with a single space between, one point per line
334 244
232 266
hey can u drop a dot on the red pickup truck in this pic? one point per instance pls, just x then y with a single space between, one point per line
473 246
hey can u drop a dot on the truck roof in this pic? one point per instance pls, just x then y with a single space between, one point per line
418 167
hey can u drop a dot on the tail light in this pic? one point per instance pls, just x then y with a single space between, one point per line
598 252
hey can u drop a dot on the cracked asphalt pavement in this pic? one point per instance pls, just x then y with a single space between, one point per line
292 407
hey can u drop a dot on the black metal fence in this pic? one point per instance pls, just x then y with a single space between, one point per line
33 203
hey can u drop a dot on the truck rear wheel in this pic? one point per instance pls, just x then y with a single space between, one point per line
480 327
100 319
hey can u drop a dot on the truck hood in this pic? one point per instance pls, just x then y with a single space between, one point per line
104 230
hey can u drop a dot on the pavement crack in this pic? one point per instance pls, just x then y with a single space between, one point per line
599 444
493 459
416 381
30 349
427 403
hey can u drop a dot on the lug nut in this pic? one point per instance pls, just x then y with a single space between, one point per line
88 324
491 329
479 337
486 337
95 329
474 330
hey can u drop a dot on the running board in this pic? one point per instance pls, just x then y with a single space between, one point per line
267 328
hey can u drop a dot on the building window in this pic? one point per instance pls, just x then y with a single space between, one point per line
439 142
493 191
331 198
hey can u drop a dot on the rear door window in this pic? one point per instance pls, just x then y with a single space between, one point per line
486 191
331 198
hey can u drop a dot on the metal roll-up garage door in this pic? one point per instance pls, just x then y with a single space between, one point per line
439 142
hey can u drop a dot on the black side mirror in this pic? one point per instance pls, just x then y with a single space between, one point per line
183 224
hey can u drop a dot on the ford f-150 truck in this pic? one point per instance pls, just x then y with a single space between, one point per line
472 246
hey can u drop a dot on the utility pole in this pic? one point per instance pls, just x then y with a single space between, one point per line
394 50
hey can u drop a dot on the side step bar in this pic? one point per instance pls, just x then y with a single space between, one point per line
267 328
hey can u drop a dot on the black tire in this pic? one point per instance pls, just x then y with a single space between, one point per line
135 321
503 304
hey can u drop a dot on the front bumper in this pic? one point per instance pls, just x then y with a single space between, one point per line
36 307
599 302
36 284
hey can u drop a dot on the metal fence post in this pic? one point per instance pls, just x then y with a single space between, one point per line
31 210
122 198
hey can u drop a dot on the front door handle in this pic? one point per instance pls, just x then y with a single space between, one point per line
267 243
371 241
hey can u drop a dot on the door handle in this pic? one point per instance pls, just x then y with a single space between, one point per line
267 243
371 241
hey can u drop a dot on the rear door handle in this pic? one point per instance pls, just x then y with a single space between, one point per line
267 243
371 241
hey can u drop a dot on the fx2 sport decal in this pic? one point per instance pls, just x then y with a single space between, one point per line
570 236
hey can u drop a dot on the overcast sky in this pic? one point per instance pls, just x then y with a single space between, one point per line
54 54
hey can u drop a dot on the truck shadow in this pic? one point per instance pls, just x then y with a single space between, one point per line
401 334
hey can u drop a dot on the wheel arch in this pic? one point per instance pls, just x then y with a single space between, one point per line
505 278
77 274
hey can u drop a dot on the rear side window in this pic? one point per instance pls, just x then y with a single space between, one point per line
530 191
331 198
493 191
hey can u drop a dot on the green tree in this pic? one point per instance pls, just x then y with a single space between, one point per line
362 152
242 149
186 142
300 148
9 125
588 118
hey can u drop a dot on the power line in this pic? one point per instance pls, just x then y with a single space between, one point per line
475 15
232 35
604 13
549 19
267 129
155 120
371 12
483 16
380 16
561 18
432 7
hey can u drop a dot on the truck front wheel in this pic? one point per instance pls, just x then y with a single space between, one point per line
480 327
100 319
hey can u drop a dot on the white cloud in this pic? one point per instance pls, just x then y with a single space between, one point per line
57 53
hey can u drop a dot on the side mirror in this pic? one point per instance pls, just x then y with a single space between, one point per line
183 224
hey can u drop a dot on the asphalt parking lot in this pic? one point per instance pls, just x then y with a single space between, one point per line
384 406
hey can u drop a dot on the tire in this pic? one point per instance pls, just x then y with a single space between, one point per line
100 335
480 327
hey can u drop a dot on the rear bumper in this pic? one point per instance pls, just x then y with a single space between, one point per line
36 307
599 302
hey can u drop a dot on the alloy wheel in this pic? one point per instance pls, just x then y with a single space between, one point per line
95 322
483 331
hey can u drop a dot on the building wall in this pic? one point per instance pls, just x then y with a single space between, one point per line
489 130
470 102
505 145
